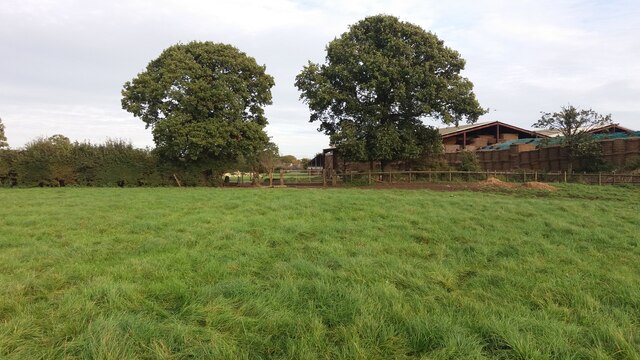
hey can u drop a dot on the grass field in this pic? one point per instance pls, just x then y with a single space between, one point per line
168 273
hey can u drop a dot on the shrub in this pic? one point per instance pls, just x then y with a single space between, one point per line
468 161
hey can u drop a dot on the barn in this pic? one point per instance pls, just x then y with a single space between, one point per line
487 136
474 136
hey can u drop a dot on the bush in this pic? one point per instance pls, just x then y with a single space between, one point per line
632 164
55 161
589 159
468 161
7 167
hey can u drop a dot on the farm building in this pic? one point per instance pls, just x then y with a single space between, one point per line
317 163
539 154
474 136
607 129
499 145
464 137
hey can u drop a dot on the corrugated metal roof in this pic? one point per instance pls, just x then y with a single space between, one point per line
556 133
470 127
453 129
555 141
550 133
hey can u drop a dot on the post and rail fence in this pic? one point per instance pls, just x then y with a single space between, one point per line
333 178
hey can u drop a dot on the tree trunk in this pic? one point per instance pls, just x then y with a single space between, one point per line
255 178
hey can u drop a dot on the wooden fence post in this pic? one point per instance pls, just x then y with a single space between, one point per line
177 181
524 176
369 177
600 178
334 178
565 176
409 176
281 177
324 178
271 178
450 176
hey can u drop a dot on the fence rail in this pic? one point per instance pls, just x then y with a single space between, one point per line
326 178
294 177
520 176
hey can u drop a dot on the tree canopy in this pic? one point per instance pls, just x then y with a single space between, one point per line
204 102
3 137
381 79
576 125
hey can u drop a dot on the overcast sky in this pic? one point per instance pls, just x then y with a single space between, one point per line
63 62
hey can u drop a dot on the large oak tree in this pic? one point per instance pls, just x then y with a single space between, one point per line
204 103
381 79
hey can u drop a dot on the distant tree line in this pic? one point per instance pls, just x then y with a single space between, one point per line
56 161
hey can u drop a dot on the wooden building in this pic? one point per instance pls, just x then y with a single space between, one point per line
474 136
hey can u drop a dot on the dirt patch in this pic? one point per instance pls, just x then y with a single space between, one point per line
429 186
491 184
539 186
497 183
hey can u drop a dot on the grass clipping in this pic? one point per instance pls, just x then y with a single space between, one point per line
493 182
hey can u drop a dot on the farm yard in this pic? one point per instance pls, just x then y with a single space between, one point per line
168 273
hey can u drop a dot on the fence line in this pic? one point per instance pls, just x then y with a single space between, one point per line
372 177
332 178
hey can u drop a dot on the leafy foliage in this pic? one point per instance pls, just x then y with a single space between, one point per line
632 164
265 160
204 102
576 125
7 165
468 161
45 161
380 80
55 161
3 137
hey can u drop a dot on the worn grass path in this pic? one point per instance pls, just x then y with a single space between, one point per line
312 273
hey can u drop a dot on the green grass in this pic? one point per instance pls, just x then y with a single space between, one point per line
171 273
294 177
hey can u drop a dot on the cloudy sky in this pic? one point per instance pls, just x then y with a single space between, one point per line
63 62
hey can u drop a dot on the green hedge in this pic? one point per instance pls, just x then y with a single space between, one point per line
55 161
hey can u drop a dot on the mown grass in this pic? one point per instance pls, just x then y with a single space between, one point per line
171 273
